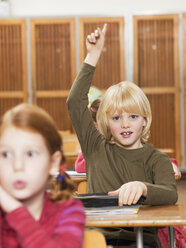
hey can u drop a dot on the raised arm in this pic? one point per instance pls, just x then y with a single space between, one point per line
77 100
95 43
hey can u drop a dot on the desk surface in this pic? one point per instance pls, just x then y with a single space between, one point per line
77 177
147 216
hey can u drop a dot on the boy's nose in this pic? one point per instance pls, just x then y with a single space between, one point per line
125 123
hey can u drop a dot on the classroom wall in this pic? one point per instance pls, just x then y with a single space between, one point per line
89 7
126 8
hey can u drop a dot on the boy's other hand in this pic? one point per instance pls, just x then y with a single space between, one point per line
130 193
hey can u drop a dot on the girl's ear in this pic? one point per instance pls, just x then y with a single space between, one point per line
55 163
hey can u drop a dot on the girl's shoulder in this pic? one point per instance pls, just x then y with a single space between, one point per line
71 208
53 208
56 214
53 212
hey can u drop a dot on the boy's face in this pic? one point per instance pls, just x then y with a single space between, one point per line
25 163
126 129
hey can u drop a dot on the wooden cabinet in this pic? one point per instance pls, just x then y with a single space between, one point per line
110 68
53 65
156 71
13 63
52 49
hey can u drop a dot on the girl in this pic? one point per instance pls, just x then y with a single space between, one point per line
30 151
119 160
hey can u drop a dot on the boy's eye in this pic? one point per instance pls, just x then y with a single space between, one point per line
134 116
5 154
115 118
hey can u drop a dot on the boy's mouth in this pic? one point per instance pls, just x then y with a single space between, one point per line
126 134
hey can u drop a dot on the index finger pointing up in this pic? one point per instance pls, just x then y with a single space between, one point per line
104 30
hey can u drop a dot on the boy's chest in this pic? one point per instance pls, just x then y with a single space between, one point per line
112 166
133 170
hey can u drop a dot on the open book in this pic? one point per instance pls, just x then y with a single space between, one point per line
74 173
132 209
102 203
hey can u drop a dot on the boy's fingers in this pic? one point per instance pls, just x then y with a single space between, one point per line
114 193
93 36
88 37
104 30
91 40
96 33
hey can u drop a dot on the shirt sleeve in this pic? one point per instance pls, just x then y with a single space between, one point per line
68 231
79 113
163 190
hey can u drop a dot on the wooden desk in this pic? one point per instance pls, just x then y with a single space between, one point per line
79 177
147 216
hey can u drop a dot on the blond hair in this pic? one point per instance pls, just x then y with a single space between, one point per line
124 97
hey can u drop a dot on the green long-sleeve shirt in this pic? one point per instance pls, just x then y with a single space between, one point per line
108 166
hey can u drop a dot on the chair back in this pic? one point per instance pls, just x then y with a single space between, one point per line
82 187
94 239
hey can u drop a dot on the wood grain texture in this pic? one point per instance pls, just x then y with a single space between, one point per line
13 68
156 71
53 65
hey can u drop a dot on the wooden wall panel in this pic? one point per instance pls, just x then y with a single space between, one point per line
7 103
184 71
156 53
56 107
162 129
13 68
156 71
110 68
53 65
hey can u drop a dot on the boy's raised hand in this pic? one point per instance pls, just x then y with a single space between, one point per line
95 43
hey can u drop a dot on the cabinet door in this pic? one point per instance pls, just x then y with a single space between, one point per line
110 68
156 71
13 70
184 71
53 66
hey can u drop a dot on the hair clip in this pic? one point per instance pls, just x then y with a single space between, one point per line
60 178
62 168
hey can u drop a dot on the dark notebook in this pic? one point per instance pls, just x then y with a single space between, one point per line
101 200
